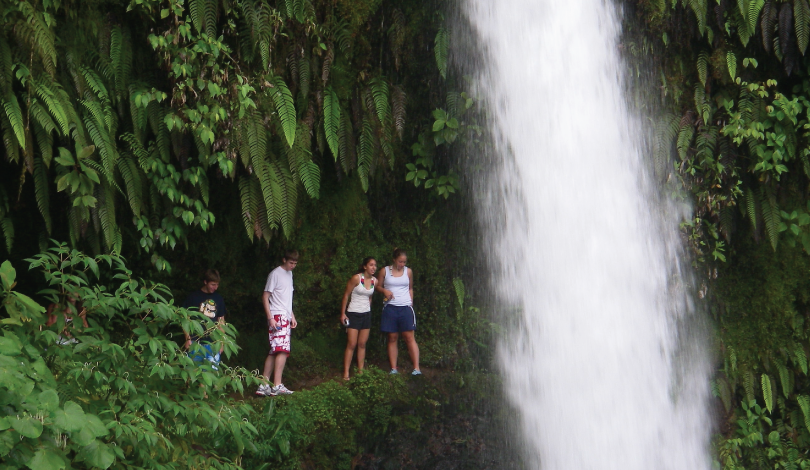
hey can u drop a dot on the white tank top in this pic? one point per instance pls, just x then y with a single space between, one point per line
399 286
360 301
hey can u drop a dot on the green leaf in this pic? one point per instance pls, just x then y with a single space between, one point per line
441 49
283 100
767 392
98 454
46 459
71 418
331 120
27 426
7 275
731 61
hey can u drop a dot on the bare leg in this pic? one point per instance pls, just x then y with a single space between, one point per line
392 349
269 363
413 348
362 338
281 360
351 343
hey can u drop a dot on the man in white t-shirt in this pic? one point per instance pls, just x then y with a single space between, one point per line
277 301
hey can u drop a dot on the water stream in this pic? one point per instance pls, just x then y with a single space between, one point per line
599 354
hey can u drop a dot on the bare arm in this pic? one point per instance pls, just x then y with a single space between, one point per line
380 286
354 281
410 283
266 302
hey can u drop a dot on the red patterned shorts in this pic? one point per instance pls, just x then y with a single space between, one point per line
280 339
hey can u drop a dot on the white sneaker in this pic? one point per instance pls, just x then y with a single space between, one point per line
264 390
280 389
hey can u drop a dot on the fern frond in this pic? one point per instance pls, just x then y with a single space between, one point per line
196 9
767 392
396 35
347 144
14 115
398 99
343 36
754 8
48 93
731 62
703 66
331 120
248 205
45 143
804 404
784 377
132 182
441 50
786 27
751 208
800 357
301 164
6 224
303 76
685 135
106 214
381 95
38 35
801 15
767 24
748 385
42 193
9 139
770 214
283 101
366 153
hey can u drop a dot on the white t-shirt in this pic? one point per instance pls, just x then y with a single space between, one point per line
280 286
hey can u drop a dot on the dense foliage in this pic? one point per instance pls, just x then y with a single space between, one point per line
736 84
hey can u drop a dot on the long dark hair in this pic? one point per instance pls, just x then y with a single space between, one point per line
363 265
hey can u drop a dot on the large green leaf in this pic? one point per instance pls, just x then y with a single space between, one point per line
331 120
46 459
283 100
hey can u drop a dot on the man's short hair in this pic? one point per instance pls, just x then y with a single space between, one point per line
290 255
210 275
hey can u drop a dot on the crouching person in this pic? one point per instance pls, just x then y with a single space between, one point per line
212 306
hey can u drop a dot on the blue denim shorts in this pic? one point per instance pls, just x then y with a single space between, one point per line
398 318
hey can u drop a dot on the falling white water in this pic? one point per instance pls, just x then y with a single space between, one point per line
600 364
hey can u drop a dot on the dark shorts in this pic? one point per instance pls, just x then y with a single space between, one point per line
396 319
359 321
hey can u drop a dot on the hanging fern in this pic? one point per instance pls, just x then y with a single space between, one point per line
366 153
784 377
42 193
767 392
380 93
804 404
398 98
752 13
441 50
14 115
331 120
283 100
703 66
770 214
301 164
801 15
800 357
731 62
132 183
347 144
767 25
6 224
748 385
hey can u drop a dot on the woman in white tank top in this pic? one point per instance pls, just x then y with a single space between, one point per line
356 317
398 316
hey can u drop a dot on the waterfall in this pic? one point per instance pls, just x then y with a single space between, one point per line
601 352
